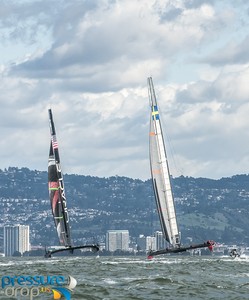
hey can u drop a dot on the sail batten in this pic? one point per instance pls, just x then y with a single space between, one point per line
160 174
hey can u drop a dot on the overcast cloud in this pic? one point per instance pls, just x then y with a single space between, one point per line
89 61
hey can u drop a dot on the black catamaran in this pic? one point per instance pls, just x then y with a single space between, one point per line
162 184
58 198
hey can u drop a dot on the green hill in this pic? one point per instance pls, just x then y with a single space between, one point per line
206 208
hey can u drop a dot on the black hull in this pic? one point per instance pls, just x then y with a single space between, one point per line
94 248
208 244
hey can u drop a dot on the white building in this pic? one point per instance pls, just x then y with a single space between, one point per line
161 243
16 238
117 240
150 243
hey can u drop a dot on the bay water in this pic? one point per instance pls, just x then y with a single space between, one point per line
134 277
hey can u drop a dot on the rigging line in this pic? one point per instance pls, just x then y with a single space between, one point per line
152 208
190 210
174 161
151 197
169 149
171 156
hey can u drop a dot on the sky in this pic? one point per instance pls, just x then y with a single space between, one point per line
89 60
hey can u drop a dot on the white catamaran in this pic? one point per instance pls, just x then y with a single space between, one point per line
162 184
58 198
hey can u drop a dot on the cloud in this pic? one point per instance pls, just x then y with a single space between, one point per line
93 48
89 61
231 53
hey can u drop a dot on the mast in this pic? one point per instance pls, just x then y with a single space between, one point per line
56 189
160 174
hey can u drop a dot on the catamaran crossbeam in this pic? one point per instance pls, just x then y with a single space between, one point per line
208 244
49 253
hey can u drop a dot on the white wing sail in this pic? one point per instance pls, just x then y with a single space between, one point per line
160 174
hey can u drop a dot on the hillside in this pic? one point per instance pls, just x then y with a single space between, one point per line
206 209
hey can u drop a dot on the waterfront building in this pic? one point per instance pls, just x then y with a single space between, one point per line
161 243
150 243
117 240
141 243
16 239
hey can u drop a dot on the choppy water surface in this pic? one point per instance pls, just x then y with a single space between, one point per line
168 277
